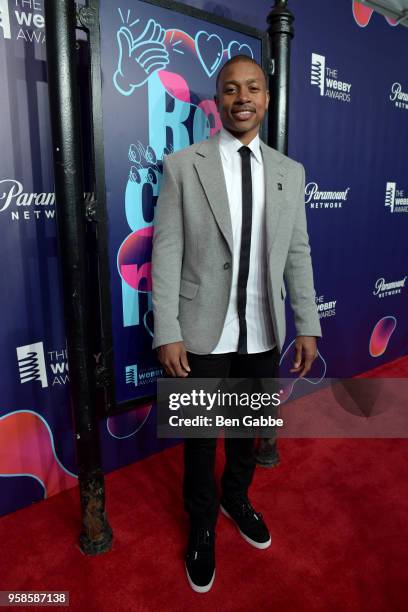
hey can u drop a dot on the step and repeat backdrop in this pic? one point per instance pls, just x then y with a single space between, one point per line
348 126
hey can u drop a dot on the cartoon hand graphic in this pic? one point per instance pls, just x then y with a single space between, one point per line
139 57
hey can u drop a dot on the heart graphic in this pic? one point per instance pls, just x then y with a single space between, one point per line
127 424
235 48
148 322
209 49
289 380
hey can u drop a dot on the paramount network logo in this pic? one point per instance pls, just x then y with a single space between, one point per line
28 20
399 97
324 199
395 199
382 289
326 80
31 363
27 205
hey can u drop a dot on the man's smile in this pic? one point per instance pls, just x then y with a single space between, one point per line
243 114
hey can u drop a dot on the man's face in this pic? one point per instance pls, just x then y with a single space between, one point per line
242 99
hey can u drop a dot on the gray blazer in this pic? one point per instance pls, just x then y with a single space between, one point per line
192 248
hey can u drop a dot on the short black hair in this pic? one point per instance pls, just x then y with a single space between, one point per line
235 59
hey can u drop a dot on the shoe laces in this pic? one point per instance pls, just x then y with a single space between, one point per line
204 537
203 541
247 510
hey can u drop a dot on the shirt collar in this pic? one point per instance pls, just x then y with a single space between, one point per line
229 145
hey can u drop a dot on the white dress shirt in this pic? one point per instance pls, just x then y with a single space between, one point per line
260 337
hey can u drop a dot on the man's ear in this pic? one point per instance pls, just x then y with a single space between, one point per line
268 98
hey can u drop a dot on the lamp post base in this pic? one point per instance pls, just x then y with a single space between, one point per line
267 454
96 534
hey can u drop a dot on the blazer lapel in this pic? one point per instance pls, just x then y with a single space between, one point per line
209 169
208 165
275 191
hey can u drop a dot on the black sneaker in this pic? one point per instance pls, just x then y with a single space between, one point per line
250 524
200 559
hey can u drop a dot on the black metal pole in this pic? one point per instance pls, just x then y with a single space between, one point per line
280 34
96 534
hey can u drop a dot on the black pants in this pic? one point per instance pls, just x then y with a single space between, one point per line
199 487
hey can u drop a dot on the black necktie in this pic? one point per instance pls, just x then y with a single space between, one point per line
245 154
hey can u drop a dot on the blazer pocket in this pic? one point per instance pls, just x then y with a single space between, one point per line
188 289
283 292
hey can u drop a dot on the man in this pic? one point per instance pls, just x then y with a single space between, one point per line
230 227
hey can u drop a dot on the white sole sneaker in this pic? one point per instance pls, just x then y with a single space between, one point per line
199 589
260 545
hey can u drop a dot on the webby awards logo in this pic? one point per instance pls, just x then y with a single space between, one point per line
326 308
31 364
327 80
138 376
5 26
22 20
46 368
317 199
395 199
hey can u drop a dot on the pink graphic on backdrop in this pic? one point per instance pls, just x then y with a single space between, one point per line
27 449
381 335
210 109
174 38
178 87
134 258
362 15
175 85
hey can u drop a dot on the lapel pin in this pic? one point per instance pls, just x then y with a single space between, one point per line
280 186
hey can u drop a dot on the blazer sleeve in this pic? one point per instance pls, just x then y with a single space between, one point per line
167 255
298 271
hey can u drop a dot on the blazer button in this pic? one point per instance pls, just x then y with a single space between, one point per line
227 265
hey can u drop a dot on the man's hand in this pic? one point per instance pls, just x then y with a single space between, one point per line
173 358
305 354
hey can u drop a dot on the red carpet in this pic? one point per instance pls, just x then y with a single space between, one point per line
394 369
337 509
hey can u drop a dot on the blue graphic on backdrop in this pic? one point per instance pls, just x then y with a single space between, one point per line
209 50
236 48
141 54
139 57
161 104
